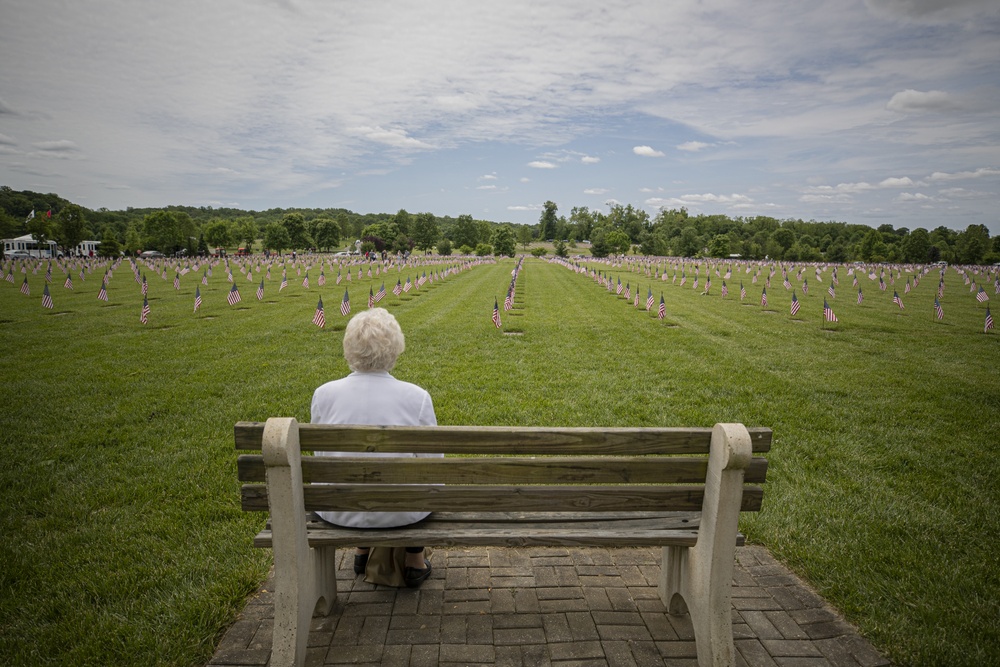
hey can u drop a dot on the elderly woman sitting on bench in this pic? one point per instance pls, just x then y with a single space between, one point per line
373 341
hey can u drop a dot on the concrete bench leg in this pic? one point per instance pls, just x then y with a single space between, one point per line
699 579
304 579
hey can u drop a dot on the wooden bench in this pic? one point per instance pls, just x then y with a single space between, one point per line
679 488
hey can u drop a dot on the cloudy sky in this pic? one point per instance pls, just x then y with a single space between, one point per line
872 112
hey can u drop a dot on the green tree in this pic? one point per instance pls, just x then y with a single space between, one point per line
295 225
972 244
559 248
524 236
547 221
444 247
245 232
8 224
326 233
873 249
917 245
599 243
218 234
539 251
503 241
167 231
109 244
71 227
426 231
784 238
484 250
719 247
276 237
133 242
40 228
465 232
618 241
404 222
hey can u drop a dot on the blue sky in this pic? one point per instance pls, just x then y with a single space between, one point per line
870 112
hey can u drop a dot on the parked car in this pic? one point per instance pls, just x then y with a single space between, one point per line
18 254
151 254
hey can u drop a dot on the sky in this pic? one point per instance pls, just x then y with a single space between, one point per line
867 112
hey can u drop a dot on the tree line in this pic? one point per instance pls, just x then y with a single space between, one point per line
623 230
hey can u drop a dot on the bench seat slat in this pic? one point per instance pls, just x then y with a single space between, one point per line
515 529
501 470
419 497
493 439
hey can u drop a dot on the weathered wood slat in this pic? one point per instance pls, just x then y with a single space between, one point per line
501 470
498 439
435 498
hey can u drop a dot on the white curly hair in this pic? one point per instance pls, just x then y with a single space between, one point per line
373 341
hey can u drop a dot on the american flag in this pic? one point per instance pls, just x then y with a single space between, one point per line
305 282
496 313
103 294
628 290
833 292
787 284
896 300
982 296
339 277
906 290
322 278
795 303
635 303
683 279
319 319
144 316
371 298
398 289
234 295
69 282
725 290
204 278
828 312
938 309
46 298
662 312
763 297
881 283
408 285
743 291
805 286
260 290
10 275
508 301
197 299
144 288
649 300
989 320
861 297
345 305
284 280
24 287
177 281
380 294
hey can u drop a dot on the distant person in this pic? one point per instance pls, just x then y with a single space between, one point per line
373 341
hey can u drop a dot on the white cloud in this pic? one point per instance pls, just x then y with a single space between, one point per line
486 187
595 191
396 138
541 164
697 199
590 159
529 207
647 151
893 182
915 101
692 146
61 146
961 175
488 177
918 197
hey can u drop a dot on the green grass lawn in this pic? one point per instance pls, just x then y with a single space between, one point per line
123 538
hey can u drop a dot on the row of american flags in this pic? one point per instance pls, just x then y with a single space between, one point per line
419 272
675 272
508 301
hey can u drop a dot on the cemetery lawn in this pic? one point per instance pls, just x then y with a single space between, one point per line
124 542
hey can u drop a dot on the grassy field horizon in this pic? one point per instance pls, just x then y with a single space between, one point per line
125 540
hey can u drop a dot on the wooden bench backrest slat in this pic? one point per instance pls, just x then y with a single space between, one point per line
498 439
483 498
501 470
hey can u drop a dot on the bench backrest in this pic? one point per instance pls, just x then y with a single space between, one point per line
499 468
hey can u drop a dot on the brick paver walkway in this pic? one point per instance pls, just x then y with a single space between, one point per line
554 606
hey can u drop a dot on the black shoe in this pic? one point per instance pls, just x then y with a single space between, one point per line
360 562
414 576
